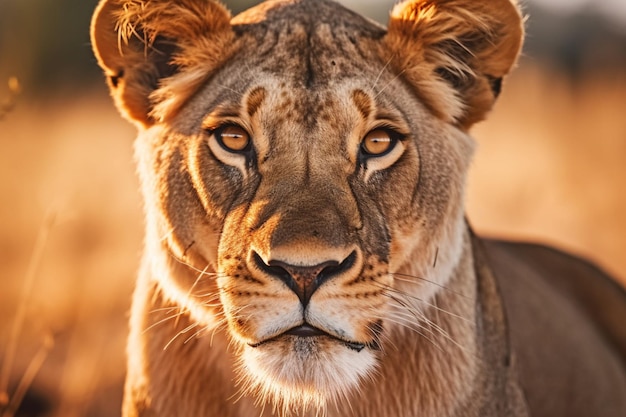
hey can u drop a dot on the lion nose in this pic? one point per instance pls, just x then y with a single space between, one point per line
304 280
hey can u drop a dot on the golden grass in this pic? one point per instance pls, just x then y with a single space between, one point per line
10 401
71 157
550 167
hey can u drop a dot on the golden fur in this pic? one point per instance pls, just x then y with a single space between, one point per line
303 171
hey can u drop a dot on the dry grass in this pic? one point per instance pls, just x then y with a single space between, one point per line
72 158
551 167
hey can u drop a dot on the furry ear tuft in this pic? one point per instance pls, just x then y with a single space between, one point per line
454 53
155 53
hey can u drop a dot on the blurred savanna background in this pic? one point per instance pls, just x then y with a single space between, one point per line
550 167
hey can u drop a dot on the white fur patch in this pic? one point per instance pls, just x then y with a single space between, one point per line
297 374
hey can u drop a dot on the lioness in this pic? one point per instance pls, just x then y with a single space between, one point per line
306 251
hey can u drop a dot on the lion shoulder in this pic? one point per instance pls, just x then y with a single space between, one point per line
562 310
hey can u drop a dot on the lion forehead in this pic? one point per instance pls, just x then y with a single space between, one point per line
309 43
302 48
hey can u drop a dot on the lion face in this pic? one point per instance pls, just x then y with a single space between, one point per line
317 196
309 189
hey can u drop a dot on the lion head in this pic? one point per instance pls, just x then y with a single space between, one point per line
303 168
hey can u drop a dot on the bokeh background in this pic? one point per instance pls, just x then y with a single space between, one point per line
551 167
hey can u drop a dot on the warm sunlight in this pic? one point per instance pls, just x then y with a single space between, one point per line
550 166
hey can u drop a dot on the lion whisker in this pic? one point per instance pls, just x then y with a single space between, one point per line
195 335
389 83
202 272
166 319
189 292
381 72
405 279
421 301
412 311
405 323
162 309
446 335
432 328
185 330
219 324
200 275
409 312
211 305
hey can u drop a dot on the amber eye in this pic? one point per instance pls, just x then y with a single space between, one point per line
377 142
232 138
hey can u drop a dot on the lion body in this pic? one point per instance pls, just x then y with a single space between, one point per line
555 298
303 171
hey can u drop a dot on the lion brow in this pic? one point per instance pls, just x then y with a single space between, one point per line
254 100
221 113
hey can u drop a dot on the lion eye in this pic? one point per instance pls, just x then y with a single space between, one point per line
377 142
232 138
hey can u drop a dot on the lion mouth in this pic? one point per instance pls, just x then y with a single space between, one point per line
307 331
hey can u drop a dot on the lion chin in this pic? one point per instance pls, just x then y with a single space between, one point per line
297 374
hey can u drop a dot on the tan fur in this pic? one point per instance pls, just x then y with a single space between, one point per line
469 41
304 276
134 46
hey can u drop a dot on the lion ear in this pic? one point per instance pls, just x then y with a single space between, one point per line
455 53
143 46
